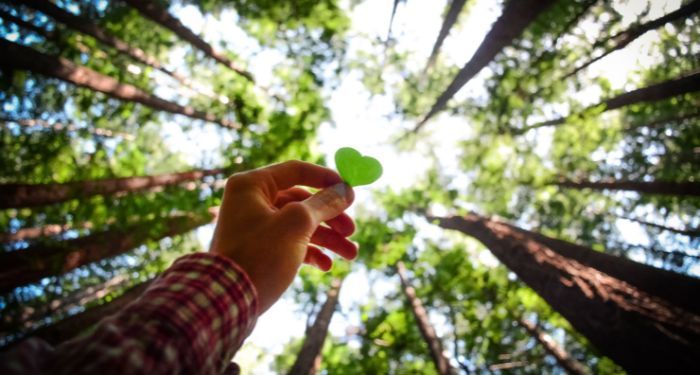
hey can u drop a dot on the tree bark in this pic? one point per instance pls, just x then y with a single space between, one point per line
70 327
681 189
98 132
622 39
31 317
30 265
16 56
25 234
88 28
316 335
664 90
450 19
391 25
516 17
32 195
686 232
564 359
154 12
639 316
442 364
27 25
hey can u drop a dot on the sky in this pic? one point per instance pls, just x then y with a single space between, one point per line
362 121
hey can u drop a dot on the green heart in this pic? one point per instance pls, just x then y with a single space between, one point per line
356 169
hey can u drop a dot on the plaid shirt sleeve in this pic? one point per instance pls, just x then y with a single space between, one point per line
191 320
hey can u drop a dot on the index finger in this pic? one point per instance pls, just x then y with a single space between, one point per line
295 172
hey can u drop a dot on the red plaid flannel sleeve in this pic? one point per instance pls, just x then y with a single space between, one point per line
191 320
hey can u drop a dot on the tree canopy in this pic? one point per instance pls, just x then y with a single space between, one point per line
541 185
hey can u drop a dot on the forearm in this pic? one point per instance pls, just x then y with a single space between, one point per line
192 319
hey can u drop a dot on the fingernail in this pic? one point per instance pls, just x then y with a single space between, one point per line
341 189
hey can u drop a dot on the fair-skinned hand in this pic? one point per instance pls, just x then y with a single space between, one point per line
269 227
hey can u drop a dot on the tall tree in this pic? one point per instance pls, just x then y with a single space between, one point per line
564 359
43 260
684 188
624 38
316 335
99 132
442 364
95 31
32 195
638 315
5 15
62 306
660 91
690 232
70 327
516 16
16 56
450 19
161 16
25 234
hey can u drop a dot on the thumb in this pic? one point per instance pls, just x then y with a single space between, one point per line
329 202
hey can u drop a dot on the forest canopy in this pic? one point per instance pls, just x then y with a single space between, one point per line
539 210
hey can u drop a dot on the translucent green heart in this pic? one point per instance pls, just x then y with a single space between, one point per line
356 169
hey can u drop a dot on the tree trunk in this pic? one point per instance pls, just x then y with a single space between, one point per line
88 28
154 12
313 343
640 316
686 232
32 317
564 359
447 23
671 121
25 234
15 56
30 265
665 90
391 25
32 195
516 17
442 364
98 132
50 35
70 327
622 39
681 189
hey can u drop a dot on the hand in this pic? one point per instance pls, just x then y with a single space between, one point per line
267 225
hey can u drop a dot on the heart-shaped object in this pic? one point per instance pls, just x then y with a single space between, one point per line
356 169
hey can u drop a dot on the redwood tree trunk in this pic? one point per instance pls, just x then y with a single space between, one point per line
27 25
447 23
25 234
622 39
516 17
640 316
30 265
442 364
32 317
316 335
153 11
70 327
16 56
564 359
95 31
686 188
660 91
98 132
32 195
685 232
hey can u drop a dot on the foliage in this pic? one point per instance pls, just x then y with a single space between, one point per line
495 168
